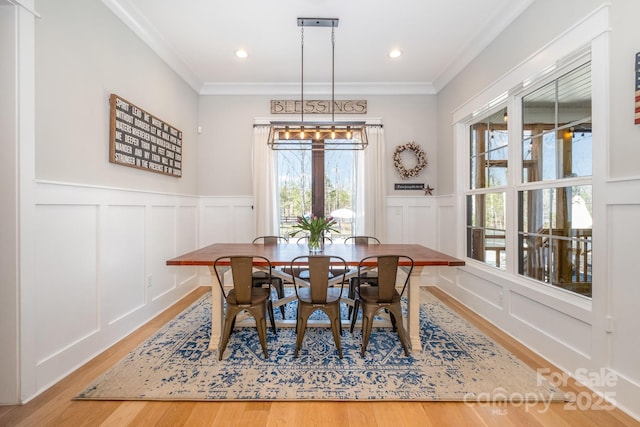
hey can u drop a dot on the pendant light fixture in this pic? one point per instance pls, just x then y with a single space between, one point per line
318 135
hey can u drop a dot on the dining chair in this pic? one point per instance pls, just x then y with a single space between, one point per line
260 277
370 277
320 293
304 239
385 296
361 240
302 273
244 297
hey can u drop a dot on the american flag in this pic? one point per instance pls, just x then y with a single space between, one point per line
637 88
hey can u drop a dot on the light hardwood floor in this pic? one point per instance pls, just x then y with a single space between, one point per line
55 407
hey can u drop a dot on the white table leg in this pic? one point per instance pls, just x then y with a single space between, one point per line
413 318
216 311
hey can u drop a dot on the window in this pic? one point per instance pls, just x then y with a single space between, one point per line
486 220
552 188
554 215
324 183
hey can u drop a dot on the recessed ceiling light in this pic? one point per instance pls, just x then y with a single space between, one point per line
395 53
241 53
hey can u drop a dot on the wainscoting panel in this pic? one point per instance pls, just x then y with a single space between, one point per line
67 299
100 257
122 272
162 243
243 223
484 290
186 240
565 329
598 335
411 220
447 226
395 223
422 221
625 294
215 225
226 220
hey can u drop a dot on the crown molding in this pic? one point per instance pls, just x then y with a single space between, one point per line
133 19
313 89
484 38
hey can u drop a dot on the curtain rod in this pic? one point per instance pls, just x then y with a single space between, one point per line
372 125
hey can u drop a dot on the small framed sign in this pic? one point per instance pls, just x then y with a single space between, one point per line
402 186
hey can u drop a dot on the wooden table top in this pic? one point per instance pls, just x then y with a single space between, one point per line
282 254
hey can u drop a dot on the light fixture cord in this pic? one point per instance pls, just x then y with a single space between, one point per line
333 69
302 74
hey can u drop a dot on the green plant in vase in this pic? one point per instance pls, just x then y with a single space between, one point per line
315 227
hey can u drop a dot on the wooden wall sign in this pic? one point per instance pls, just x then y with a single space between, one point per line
318 106
141 140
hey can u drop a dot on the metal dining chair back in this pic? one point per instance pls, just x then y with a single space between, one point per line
384 296
369 277
319 293
260 277
361 240
270 240
244 297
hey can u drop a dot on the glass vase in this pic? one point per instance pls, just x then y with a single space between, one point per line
315 243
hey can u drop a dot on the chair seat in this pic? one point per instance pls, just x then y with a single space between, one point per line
383 295
318 294
261 275
333 295
369 294
258 296
244 296
260 278
304 275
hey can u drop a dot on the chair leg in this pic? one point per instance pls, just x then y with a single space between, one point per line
280 291
393 320
301 326
352 295
271 316
368 312
396 313
355 314
336 326
229 321
261 325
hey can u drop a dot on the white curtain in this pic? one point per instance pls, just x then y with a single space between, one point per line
370 200
375 210
265 202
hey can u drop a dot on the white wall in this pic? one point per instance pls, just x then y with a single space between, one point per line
8 206
100 268
599 335
227 136
94 236
83 54
119 225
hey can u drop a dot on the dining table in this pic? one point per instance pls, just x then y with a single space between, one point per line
280 255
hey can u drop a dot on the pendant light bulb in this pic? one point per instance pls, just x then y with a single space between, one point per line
301 132
286 132
333 132
317 132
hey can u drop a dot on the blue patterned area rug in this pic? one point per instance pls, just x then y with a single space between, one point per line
458 363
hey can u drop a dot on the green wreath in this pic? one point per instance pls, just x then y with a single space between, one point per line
420 156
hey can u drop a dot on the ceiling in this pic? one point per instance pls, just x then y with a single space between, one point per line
198 38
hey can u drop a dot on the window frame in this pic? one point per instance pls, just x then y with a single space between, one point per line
473 190
515 184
